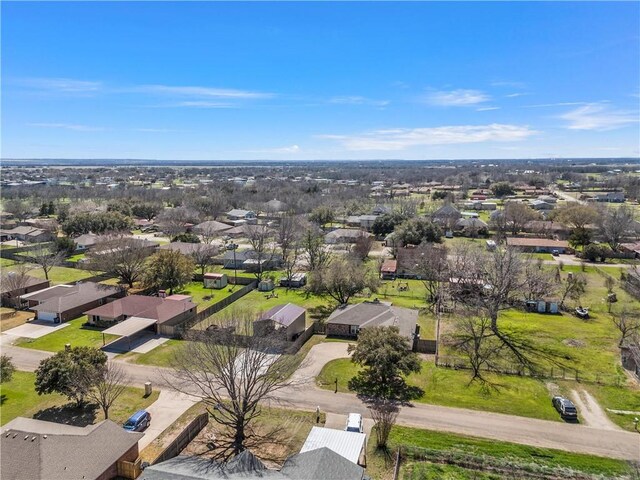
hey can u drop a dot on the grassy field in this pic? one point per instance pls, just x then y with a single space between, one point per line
431 471
19 399
6 262
379 465
75 334
625 399
442 386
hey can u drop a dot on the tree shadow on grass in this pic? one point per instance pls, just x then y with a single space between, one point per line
69 414
3 399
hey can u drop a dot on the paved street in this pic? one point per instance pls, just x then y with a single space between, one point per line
542 433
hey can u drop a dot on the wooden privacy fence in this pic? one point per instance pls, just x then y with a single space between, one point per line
129 470
182 440
180 329
14 253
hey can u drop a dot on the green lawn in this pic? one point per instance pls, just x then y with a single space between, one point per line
161 356
204 297
443 386
75 334
431 471
500 451
6 262
76 258
255 301
618 398
59 275
19 399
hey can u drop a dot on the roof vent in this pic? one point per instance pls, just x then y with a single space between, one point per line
26 436
44 436
33 438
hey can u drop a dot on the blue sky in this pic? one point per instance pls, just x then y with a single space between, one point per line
210 80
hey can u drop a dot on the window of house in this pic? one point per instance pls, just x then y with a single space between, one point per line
353 329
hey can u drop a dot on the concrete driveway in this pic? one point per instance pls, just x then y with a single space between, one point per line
142 342
35 329
317 358
164 411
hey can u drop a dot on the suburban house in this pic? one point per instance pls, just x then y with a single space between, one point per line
27 234
187 248
547 228
275 206
471 226
162 310
112 245
345 235
389 269
12 287
288 319
318 464
215 280
348 321
349 445
238 214
541 205
630 355
633 247
409 260
210 228
38 449
610 197
539 245
65 302
86 241
248 260
446 215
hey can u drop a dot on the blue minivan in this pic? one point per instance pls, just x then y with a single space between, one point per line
138 422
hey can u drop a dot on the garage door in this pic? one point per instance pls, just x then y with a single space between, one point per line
47 316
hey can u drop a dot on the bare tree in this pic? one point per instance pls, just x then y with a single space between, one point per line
538 282
475 339
432 267
614 224
46 257
628 323
203 255
343 279
363 245
234 374
486 280
517 214
290 261
288 232
573 287
21 209
124 257
108 385
174 220
384 413
317 256
16 278
263 245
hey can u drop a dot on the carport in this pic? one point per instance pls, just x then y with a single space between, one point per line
128 328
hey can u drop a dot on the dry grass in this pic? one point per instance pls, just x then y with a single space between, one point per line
10 318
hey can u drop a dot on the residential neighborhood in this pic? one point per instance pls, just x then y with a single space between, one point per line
320 241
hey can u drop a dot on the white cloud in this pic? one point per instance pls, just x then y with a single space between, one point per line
598 116
517 94
401 138
67 126
65 85
198 104
558 104
358 100
486 109
457 98
202 92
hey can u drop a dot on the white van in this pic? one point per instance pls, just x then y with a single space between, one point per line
354 423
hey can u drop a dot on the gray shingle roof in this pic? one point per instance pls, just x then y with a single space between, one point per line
321 463
53 451
284 314
76 296
376 315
